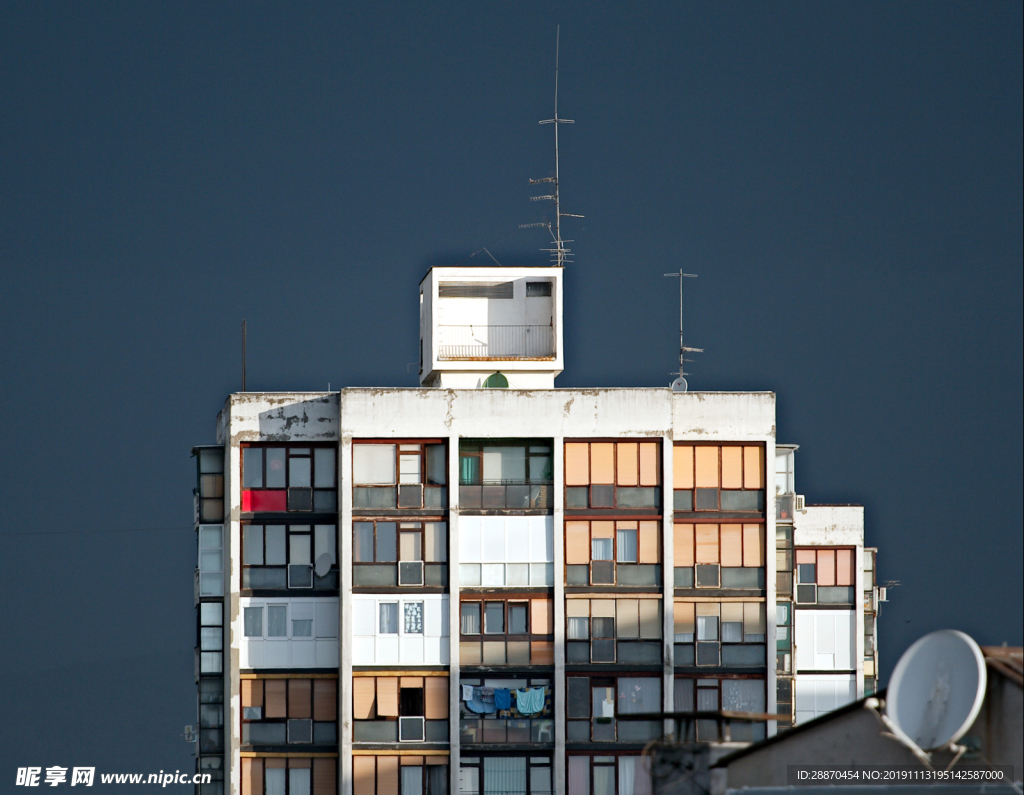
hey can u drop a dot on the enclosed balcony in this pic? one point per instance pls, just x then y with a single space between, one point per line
503 343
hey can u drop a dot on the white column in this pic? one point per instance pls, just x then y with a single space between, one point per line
769 584
668 579
558 770
345 615
454 617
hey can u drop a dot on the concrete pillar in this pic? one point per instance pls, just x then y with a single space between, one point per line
559 763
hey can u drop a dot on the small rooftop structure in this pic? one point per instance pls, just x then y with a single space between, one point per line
487 327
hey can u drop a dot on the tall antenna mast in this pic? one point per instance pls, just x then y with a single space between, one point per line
680 385
560 254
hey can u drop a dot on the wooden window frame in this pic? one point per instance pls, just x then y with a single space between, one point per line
658 486
424 482
293 702
287 487
693 488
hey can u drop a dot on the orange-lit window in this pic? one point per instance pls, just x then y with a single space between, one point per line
719 555
613 630
825 576
612 475
507 632
612 552
726 478
290 712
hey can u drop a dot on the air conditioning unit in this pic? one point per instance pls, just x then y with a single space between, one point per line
410 572
799 503
300 575
883 594
411 730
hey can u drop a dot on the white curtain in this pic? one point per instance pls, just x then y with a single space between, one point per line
274 780
634 776
639 694
504 775
579 775
684 695
373 464
412 780
299 781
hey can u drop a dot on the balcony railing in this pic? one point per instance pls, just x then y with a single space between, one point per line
495 342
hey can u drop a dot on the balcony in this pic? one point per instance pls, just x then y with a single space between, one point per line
489 343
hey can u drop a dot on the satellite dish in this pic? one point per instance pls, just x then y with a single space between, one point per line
679 385
937 688
323 564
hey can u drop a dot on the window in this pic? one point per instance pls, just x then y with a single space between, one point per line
497 775
734 694
498 474
514 632
538 289
529 718
382 775
784 637
291 776
211 559
211 637
388 553
289 478
612 475
613 630
506 550
728 556
608 775
300 619
210 487
404 475
784 700
599 709
726 478
391 630
783 560
825 576
289 711
713 634
278 556
211 715
394 709
612 553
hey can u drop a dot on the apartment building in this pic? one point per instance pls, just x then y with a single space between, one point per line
489 586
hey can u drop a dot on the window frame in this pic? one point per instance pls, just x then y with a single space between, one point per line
571 503
330 493
417 525
426 474
310 530
259 682
685 499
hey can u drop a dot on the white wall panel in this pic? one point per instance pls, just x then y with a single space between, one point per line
371 647
824 640
817 694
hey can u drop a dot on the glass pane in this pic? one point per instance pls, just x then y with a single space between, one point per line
211 561
252 543
576 497
707 576
252 468
299 781
387 542
504 775
494 618
806 573
639 497
603 627
436 471
601 549
602 572
470 619
211 614
324 459
414 618
409 469
682 500
254 622
683 577
300 472
302 628
300 548
577 697
410 546
517 619
578 628
325 542
373 464
275 538
277 621
389 618
275 468
707 627
627 546
412 780
211 639
211 461
210 537
742 500
362 542
707 499
732 632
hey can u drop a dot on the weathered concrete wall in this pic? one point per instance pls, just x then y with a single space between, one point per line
829 525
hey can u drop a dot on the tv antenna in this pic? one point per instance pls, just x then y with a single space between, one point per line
560 255
680 385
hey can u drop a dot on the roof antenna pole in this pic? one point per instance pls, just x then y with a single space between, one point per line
243 355
680 385
560 253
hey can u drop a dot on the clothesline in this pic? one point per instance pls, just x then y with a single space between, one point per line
485 700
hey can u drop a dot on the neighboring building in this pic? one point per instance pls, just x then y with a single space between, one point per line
464 588
856 735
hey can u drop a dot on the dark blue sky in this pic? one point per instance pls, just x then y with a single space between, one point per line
845 178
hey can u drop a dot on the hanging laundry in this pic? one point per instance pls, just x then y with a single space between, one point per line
486 693
502 698
467 692
479 706
530 701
